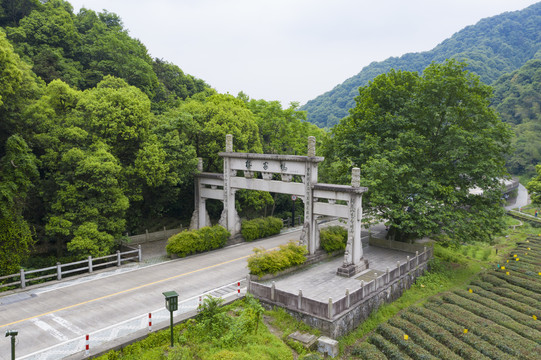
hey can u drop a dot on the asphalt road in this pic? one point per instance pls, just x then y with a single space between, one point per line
53 316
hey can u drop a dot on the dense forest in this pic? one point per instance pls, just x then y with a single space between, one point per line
491 48
97 138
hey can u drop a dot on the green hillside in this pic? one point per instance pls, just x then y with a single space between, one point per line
492 47
517 97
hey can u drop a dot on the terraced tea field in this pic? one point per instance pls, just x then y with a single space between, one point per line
495 317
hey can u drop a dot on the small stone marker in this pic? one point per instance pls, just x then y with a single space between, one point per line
327 346
306 340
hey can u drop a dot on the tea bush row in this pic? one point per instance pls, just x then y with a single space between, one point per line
388 348
504 284
501 337
513 278
260 228
465 351
426 341
396 336
484 312
501 307
457 330
196 241
508 293
368 351
510 302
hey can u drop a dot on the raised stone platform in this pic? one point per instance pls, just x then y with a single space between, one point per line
352 270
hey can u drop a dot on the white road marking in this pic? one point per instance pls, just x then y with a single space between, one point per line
49 329
65 323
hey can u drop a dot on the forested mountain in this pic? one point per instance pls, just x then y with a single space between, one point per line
492 47
517 97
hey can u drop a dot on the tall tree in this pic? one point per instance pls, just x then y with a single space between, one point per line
423 143
210 119
88 210
19 171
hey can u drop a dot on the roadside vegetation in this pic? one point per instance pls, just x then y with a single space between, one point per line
491 295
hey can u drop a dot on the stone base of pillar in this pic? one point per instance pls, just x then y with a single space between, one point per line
351 269
236 228
194 222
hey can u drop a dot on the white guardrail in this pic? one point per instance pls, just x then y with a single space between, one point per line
59 270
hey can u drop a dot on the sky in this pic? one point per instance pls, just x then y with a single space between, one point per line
291 50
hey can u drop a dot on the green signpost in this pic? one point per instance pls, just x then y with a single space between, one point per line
171 304
12 333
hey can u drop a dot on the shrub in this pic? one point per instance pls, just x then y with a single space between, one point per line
195 241
270 262
260 228
333 238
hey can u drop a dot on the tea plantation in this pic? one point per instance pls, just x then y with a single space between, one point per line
495 317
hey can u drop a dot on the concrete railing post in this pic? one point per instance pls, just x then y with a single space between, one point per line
408 263
58 271
348 300
387 276
375 281
89 264
329 314
248 283
417 258
299 300
362 289
23 279
273 291
398 268
118 258
139 253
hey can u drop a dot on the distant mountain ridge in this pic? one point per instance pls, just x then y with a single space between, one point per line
492 47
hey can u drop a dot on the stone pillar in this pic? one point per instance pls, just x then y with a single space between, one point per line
310 179
199 215
353 256
230 213
355 214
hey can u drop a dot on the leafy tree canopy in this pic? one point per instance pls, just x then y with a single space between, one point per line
423 142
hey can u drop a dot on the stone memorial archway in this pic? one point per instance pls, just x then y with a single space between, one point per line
223 187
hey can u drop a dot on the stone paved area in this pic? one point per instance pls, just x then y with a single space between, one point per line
319 282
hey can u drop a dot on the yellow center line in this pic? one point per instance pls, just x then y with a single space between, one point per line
125 291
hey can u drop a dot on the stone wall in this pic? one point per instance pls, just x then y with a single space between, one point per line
337 318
